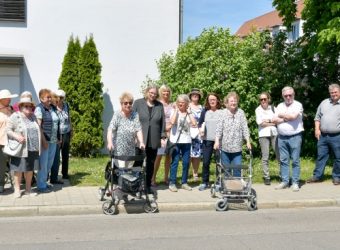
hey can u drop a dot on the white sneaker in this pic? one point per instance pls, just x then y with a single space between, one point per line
173 188
282 185
17 194
185 186
295 187
31 194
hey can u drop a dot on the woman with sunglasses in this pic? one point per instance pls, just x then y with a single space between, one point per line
123 131
24 129
267 132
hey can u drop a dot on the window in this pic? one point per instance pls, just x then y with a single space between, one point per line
13 10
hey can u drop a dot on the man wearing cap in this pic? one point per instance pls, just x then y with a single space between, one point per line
5 112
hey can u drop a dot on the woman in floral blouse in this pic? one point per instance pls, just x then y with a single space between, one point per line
232 130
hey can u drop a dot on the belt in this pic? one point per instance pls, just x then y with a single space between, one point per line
288 136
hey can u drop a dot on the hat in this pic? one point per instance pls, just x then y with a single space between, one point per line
26 100
196 92
60 93
6 94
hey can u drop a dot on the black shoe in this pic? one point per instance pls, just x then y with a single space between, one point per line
57 182
267 182
313 180
336 181
149 191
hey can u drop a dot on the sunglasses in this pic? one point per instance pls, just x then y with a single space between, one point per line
285 96
126 103
263 99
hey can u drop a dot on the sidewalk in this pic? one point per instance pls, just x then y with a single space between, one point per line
70 200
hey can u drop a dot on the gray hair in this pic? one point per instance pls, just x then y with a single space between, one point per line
183 97
150 86
288 88
333 86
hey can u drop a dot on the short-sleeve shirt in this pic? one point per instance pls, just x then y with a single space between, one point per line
290 127
328 114
182 123
124 131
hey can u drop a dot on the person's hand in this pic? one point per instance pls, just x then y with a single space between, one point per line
317 134
142 146
217 145
45 144
21 139
110 146
249 146
163 143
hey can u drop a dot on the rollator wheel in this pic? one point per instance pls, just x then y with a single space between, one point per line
150 207
109 208
221 205
213 191
252 201
7 178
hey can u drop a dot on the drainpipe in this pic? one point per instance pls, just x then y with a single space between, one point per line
181 21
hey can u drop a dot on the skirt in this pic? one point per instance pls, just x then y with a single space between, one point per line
25 164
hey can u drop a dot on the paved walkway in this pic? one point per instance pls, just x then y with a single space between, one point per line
69 200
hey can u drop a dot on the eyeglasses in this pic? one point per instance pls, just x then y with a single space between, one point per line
27 106
126 103
263 99
289 95
152 93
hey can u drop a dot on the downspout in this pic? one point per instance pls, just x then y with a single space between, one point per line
180 22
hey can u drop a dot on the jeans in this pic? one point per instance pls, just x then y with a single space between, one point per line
265 147
65 150
3 166
290 148
326 143
232 158
46 161
55 165
184 149
208 149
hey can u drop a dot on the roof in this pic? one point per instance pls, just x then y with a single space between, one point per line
266 21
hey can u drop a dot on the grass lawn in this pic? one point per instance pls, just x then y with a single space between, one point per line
90 171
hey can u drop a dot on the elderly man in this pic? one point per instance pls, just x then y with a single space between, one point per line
288 118
327 132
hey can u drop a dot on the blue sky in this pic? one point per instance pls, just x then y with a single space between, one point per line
200 14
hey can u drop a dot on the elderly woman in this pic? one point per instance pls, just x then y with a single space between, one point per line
124 129
207 124
196 144
63 111
181 120
24 129
232 130
152 118
164 98
5 112
48 120
267 132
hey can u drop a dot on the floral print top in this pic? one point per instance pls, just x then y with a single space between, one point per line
124 130
232 130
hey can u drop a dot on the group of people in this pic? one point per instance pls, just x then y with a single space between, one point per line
155 125
32 138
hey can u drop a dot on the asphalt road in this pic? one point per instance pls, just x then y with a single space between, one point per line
313 228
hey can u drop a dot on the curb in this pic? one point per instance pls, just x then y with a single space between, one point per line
163 207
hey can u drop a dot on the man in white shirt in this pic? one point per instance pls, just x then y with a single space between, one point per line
288 118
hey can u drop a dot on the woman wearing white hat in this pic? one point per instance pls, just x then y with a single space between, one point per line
63 111
23 129
5 111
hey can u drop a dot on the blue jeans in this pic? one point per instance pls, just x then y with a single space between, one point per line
290 148
46 161
326 143
232 158
184 149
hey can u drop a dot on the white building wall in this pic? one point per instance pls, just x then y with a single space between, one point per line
130 36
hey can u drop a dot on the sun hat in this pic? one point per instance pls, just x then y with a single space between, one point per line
26 100
5 93
60 93
196 92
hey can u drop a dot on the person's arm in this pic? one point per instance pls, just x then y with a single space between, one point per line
317 131
44 142
218 134
11 126
140 140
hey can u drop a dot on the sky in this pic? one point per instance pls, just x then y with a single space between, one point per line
200 14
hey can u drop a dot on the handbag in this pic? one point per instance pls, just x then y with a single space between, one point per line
12 148
170 146
194 132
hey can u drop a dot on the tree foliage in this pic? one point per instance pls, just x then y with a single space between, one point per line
81 80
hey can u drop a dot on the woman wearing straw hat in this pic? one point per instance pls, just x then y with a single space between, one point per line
23 128
5 112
